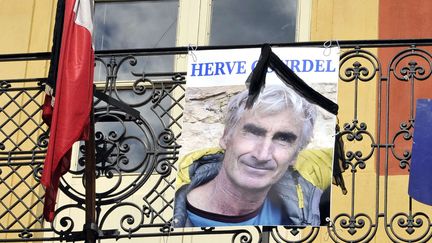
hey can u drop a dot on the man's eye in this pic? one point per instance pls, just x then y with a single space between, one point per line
285 139
256 133
251 133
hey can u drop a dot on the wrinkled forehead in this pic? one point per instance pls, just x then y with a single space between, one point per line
269 110
273 116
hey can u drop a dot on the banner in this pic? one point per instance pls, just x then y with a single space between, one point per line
265 166
221 67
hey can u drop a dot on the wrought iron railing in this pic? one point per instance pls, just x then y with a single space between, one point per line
136 156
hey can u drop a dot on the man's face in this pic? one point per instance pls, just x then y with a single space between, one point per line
260 148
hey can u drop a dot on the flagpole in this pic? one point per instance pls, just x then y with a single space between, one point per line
90 226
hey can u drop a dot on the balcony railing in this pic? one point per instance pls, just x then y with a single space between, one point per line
136 157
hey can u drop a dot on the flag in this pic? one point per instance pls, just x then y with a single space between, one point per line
420 180
73 96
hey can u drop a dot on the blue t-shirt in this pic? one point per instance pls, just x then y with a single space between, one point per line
268 214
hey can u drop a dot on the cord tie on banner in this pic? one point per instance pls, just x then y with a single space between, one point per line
328 45
191 51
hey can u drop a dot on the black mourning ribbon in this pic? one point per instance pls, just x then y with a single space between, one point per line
339 161
116 103
268 59
256 82
56 46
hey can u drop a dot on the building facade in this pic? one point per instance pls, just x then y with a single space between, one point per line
135 188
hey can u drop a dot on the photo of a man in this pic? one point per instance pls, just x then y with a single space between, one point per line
251 178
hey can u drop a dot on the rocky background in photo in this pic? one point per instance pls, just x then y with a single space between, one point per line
203 117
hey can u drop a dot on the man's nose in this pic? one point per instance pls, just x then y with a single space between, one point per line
264 150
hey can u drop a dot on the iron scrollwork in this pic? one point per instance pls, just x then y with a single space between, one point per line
136 157
411 67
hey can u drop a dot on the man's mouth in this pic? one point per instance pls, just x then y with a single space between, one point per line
257 166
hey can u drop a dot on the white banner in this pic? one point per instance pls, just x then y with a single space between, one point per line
214 78
233 66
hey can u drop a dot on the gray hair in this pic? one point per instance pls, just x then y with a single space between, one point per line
273 99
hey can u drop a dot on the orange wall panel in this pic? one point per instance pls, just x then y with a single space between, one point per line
401 19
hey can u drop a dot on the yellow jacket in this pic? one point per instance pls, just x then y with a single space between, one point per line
315 165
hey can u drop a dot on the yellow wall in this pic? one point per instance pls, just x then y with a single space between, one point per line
26 26
334 20
358 20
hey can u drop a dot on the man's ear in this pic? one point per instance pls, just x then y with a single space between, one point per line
224 139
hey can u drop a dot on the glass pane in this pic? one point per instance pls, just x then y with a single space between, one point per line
135 25
127 25
253 22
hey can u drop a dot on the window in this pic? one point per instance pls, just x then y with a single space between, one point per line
134 25
236 22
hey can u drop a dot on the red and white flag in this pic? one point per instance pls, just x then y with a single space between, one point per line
73 96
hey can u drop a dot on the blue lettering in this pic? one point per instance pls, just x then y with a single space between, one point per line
208 69
241 67
307 65
230 66
295 65
194 68
219 68
254 65
329 62
319 66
